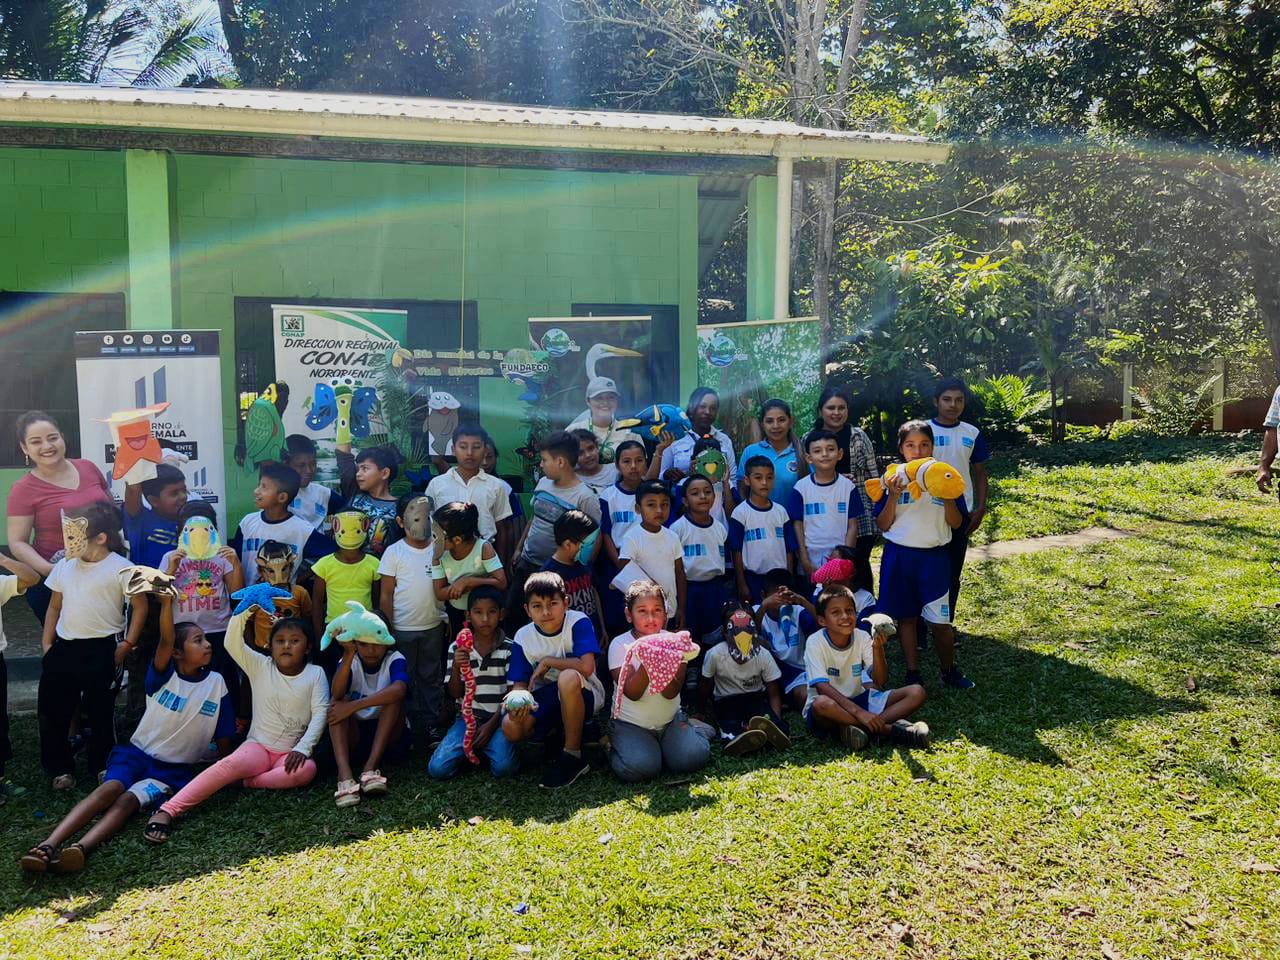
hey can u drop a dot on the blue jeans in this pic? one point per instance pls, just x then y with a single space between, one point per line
448 758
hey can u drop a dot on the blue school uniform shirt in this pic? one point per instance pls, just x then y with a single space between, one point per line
825 509
960 445
764 536
575 638
786 468
150 537
183 714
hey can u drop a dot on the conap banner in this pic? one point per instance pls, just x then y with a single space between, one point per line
747 363
332 359
172 381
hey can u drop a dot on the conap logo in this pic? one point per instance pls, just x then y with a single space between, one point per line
557 343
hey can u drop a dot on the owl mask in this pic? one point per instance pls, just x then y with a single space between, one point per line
350 529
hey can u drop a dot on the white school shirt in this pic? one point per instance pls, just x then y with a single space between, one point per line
761 535
183 715
847 670
489 493
960 446
918 523
825 509
652 711
783 635
703 547
8 590
314 503
364 684
413 605
680 454
601 481
92 596
618 512
656 553
733 678
289 713
255 530
576 637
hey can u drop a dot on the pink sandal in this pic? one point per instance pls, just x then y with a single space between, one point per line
347 794
373 783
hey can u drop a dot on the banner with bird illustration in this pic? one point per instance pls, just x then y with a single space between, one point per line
329 361
148 397
747 363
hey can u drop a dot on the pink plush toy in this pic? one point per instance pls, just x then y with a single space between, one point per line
837 568
661 656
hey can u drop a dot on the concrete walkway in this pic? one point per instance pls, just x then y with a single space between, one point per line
1004 549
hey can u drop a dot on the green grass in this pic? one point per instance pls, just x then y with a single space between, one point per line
1081 802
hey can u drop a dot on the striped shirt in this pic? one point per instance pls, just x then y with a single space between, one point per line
491 676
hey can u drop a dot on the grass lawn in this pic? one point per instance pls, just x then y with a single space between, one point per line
1081 802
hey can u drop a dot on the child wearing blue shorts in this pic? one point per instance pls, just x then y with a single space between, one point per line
915 571
554 657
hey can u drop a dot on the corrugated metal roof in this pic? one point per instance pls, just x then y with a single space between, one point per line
416 119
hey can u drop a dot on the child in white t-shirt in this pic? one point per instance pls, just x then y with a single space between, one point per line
702 541
741 679
824 507
848 673
655 550
761 537
597 476
16 581
366 715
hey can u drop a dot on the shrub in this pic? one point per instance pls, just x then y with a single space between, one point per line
1010 407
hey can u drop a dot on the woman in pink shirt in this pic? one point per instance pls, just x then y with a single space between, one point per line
36 502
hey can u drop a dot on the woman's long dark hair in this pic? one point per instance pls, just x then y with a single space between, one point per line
844 436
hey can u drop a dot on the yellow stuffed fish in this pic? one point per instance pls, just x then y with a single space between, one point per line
925 475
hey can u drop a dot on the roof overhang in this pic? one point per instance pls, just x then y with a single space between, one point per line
410 120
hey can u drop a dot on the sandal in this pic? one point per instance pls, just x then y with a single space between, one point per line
347 794
373 783
157 831
38 858
71 860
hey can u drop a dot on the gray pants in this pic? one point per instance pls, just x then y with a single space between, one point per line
424 653
637 754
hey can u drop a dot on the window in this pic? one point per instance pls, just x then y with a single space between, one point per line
37 342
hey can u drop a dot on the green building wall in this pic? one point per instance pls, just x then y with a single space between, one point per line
518 243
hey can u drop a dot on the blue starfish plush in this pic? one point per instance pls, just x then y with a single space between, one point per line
259 595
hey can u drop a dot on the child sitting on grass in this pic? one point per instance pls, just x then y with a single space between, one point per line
188 705
554 657
848 675
366 715
290 708
741 679
785 619
490 659
648 732
571 531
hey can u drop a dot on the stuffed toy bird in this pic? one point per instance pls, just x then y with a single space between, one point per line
925 475
658 419
661 656
263 428
356 624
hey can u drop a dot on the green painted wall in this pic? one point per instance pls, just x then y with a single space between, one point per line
62 229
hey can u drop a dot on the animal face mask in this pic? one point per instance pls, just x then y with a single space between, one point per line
742 636
417 518
138 580
275 564
350 529
75 536
199 539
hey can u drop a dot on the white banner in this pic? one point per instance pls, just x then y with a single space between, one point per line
126 369
325 347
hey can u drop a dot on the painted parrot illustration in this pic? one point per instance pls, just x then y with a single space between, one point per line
263 428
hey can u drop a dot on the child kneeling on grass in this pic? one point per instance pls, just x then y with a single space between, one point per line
554 657
648 732
741 678
847 675
187 706
490 659
290 707
366 715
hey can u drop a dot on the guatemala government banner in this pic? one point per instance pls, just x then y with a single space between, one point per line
321 348
118 370
747 363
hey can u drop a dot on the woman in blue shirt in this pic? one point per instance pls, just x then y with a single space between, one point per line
780 446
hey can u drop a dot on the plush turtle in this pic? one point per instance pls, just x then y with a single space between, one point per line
518 700
356 624
260 595
925 475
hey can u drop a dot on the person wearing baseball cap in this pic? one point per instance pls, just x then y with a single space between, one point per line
601 415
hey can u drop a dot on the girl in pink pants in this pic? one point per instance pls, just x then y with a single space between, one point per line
290 707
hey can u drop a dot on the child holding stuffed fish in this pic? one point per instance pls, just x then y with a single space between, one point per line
81 641
347 574
915 571
490 656
188 705
648 731
366 710
290 710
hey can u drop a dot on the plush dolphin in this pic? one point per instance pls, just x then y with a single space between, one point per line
260 595
659 418
882 623
356 624
925 475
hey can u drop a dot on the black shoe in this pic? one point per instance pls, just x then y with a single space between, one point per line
913 676
954 678
566 770
910 734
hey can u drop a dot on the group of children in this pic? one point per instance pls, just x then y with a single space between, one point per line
493 625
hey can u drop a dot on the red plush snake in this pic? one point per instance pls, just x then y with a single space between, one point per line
465 643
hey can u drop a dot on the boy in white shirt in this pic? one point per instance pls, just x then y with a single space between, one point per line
761 537
467 482
315 502
961 445
13 583
848 675
740 678
277 487
655 550
824 507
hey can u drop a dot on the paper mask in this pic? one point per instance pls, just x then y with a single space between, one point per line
137 580
344 403
350 529
710 464
744 644
75 536
275 564
417 518
137 449
199 539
